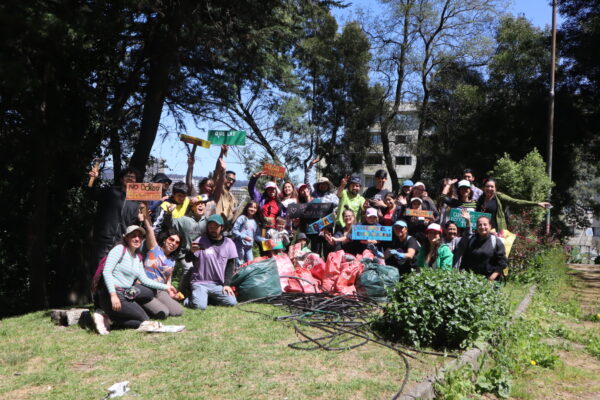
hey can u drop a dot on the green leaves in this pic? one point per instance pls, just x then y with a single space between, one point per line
442 309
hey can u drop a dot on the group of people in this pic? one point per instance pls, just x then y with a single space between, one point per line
206 236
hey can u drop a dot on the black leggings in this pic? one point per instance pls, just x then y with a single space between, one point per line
131 314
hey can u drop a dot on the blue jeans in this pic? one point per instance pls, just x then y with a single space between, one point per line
244 253
202 293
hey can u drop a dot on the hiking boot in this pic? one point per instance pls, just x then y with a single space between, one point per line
101 322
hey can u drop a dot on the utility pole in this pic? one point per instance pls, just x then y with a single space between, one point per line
551 109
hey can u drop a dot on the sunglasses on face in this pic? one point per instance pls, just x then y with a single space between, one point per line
230 179
172 240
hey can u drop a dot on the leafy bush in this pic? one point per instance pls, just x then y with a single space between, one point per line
442 309
525 179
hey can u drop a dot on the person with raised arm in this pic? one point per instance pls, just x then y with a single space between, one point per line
492 202
351 198
120 298
225 201
159 265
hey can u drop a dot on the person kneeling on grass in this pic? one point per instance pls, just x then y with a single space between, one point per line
214 260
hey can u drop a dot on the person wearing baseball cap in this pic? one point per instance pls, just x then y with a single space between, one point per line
214 258
465 195
434 252
350 197
269 205
419 190
404 193
403 249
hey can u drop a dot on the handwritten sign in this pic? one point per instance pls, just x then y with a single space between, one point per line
309 210
372 232
231 137
195 141
418 213
274 170
456 216
316 226
271 244
144 191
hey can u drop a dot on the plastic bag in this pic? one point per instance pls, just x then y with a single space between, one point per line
375 278
259 279
306 283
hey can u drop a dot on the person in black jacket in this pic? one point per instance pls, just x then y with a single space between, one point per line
113 215
484 253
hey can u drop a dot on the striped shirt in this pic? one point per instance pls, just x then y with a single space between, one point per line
124 273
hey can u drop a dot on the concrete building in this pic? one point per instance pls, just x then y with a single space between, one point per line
402 143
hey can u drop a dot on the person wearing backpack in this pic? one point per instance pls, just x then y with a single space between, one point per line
484 253
119 298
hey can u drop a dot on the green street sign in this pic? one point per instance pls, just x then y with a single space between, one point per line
231 137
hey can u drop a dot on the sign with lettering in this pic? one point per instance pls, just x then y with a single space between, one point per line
456 216
271 244
144 191
274 170
310 210
372 232
230 137
418 213
195 141
316 226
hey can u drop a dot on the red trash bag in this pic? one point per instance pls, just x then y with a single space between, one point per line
255 260
284 267
305 284
313 260
349 272
329 272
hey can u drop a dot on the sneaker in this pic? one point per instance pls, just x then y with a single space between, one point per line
100 320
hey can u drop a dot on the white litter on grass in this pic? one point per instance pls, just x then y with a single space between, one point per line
117 390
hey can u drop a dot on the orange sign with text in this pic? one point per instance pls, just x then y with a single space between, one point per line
274 170
419 213
144 191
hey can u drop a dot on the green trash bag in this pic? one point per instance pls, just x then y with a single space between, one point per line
374 279
256 280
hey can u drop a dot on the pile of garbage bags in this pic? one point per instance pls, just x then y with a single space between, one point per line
340 274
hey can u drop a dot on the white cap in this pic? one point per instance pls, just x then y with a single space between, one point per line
269 185
371 212
464 183
420 200
419 184
435 227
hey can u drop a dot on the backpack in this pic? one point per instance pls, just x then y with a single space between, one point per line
97 279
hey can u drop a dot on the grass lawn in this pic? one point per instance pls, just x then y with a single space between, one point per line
224 353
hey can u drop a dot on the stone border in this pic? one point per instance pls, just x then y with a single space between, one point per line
425 390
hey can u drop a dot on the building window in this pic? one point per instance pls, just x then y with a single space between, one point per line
403 139
403 160
369 180
373 159
375 138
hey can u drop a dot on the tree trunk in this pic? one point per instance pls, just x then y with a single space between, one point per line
163 55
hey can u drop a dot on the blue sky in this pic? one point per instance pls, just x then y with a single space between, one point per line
539 12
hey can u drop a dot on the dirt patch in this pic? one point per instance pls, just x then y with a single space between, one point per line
27 392
587 286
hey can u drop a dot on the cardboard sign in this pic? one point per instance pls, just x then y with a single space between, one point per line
144 191
456 216
195 141
271 244
316 226
274 170
372 232
309 210
231 137
418 213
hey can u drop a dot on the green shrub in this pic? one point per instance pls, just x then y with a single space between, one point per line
442 309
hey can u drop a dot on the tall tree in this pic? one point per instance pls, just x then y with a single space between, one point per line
416 41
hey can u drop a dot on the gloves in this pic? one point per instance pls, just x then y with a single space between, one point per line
374 250
399 256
